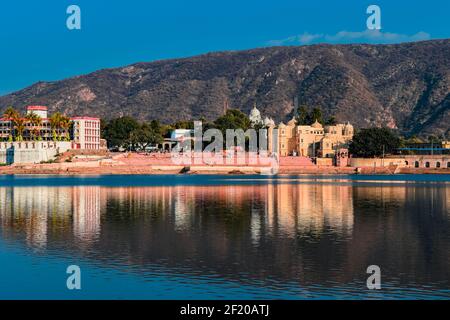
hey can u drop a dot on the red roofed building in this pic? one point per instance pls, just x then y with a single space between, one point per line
84 132
39 110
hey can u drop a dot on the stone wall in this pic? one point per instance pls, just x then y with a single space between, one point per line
377 162
428 161
324 161
31 151
412 161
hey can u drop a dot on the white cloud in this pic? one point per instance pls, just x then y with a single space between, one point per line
304 38
367 36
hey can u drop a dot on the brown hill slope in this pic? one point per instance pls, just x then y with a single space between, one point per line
404 86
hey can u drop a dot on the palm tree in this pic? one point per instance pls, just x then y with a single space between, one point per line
55 124
10 113
29 120
36 122
19 125
38 125
18 122
65 124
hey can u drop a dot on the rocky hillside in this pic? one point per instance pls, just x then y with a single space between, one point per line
404 86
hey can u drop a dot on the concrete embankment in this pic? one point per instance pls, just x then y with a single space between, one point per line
96 168
123 163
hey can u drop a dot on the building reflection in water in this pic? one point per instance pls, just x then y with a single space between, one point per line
86 209
30 211
36 212
263 229
286 209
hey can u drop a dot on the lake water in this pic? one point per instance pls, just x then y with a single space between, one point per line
225 237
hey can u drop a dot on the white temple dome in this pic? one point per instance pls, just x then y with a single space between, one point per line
255 112
269 122
255 116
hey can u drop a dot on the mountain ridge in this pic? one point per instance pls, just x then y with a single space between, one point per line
403 86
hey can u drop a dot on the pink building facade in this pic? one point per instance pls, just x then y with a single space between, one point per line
84 132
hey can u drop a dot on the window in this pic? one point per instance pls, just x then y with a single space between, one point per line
448 164
438 164
416 164
427 164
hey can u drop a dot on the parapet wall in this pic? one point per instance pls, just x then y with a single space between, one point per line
411 161
377 162
31 151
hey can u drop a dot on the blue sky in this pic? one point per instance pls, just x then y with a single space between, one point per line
36 45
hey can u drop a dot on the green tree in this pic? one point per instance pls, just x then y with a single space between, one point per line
305 118
302 116
331 121
103 124
373 142
145 136
232 119
183 125
155 125
35 122
316 115
18 122
118 131
55 125
19 126
11 113
65 124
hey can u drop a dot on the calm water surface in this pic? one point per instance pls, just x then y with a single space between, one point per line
233 237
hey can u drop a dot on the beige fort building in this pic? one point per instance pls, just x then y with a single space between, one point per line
313 140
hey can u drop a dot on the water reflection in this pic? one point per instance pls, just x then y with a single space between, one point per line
274 234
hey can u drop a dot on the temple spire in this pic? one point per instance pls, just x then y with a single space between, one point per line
225 106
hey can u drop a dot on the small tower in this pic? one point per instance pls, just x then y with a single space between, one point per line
225 106
41 111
